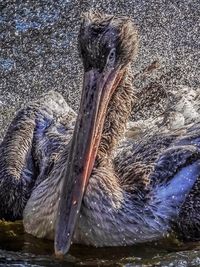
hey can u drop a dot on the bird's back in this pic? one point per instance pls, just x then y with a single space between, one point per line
162 169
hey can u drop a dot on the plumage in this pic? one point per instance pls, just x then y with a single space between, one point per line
139 189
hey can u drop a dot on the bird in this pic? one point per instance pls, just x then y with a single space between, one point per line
76 178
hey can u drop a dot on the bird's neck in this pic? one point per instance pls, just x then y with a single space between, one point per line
118 112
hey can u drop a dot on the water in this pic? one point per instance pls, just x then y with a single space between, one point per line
38 47
39 53
20 249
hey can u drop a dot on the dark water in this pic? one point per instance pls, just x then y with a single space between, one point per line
20 249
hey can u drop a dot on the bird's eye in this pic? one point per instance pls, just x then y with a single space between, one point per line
111 58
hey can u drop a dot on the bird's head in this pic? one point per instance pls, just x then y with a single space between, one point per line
106 41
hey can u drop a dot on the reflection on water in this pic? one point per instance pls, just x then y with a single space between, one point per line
20 249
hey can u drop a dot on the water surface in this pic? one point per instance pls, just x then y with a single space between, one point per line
20 249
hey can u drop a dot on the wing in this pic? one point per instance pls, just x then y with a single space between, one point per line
29 145
162 164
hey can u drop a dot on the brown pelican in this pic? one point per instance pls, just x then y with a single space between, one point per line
73 182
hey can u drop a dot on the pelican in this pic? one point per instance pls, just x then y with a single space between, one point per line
72 178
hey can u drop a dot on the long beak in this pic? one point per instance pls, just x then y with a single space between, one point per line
97 91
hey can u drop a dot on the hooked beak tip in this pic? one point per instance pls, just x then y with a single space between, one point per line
60 250
59 255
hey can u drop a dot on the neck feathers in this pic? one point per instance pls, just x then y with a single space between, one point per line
118 112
